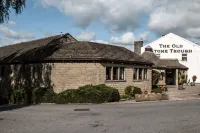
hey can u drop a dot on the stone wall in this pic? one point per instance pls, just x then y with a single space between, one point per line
145 85
63 76
72 75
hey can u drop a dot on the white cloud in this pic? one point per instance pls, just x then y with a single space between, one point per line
8 36
180 16
86 36
126 38
100 41
7 41
12 23
118 15
129 38
15 35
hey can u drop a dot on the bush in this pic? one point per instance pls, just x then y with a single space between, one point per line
17 96
194 78
43 95
137 90
89 94
132 90
85 94
68 96
124 96
129 90
157 90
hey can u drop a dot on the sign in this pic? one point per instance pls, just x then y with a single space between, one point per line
172 49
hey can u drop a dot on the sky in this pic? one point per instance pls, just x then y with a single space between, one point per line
117 22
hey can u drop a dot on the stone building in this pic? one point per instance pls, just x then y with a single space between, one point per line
64 63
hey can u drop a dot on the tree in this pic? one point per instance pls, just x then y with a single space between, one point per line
7 5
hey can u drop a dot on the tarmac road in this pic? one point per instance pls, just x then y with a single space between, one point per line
153 117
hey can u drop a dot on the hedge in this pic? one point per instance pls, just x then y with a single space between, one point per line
84 94
89 94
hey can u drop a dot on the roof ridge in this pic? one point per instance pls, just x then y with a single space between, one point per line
34 40
108 45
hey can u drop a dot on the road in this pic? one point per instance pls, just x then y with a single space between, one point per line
154 117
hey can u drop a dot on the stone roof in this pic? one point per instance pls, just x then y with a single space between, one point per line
58 48
162 63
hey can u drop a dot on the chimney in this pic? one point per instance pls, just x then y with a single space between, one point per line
137 47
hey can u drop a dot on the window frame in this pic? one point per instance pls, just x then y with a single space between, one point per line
117 75
184 56
140 74
123 73
145 71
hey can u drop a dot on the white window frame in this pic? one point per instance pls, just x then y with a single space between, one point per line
118 74
184 56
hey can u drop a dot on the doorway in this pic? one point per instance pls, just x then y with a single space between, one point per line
170 76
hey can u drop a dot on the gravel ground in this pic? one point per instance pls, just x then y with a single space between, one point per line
151 117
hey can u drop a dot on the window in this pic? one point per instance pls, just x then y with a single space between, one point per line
145 74
115 73
184 57
149 49
140 73
135 73
108 73
121 73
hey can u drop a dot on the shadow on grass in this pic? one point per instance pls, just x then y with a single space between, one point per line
12 107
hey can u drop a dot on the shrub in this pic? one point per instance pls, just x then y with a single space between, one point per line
115 97
137 90
17 96
89 94
43 95
129 90
132 90
68 96
157 90
124 96
85 94
194 78
155 77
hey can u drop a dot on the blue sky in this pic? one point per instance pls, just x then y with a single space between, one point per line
107 21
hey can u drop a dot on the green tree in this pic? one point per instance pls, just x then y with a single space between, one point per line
7 5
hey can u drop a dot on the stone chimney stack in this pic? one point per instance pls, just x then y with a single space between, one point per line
137 47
